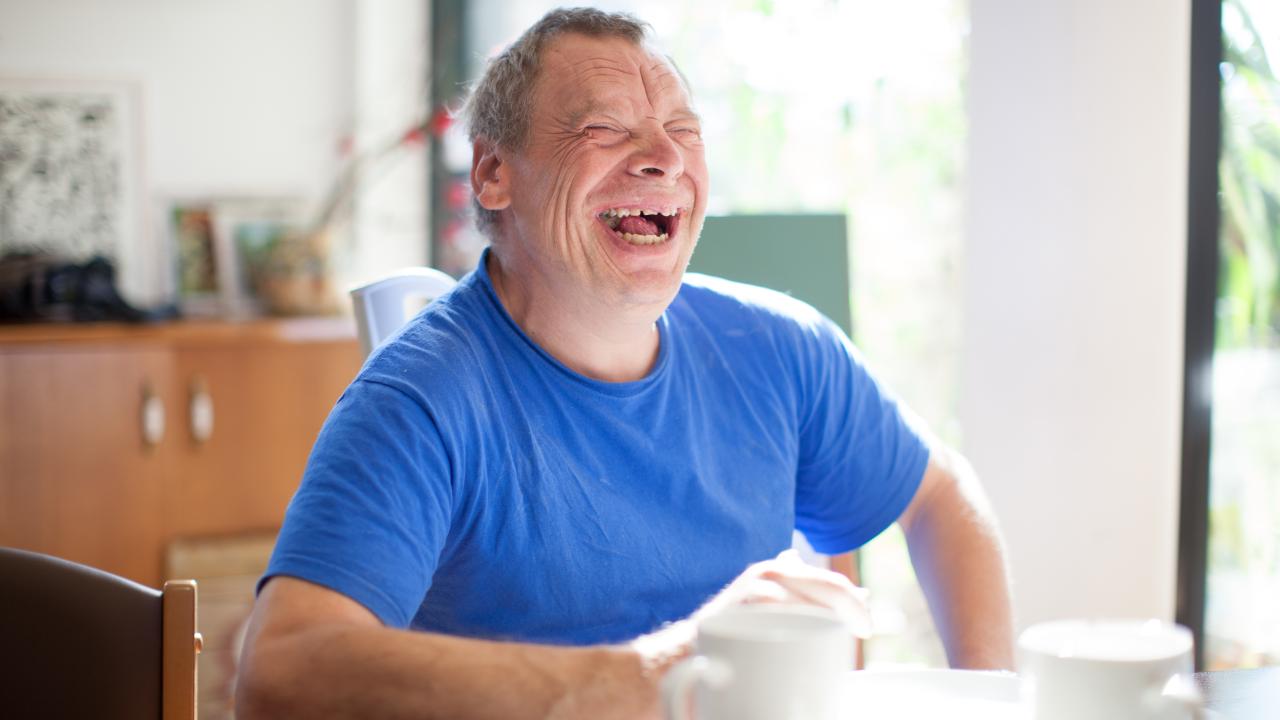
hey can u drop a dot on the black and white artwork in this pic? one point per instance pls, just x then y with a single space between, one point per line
69 175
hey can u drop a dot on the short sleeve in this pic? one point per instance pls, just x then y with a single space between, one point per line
860 460
371 515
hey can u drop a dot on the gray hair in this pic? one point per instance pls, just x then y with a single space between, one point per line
500 103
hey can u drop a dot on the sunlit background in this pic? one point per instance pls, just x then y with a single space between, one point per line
1243 598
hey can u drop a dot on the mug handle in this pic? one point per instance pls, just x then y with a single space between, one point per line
677 686
1179 692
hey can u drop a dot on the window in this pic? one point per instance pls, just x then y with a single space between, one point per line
1242 617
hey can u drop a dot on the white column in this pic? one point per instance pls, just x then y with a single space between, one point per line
1073 315
392 48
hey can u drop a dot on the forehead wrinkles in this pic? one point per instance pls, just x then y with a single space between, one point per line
659 79
587 77
587 81
564 84
602 68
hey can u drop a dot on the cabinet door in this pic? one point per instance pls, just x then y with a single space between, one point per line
79 479
269 400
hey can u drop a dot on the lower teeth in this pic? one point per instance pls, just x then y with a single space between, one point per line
644 239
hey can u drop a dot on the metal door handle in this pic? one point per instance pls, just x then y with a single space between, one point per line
200 410
152 416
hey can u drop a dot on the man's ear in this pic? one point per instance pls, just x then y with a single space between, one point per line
490 176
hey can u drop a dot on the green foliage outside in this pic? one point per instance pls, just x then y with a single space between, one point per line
1249 284
1242 624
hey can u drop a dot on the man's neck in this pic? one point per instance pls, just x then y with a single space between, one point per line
603 342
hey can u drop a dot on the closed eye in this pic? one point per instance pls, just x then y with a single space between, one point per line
685 134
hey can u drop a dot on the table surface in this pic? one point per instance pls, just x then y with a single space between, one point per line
1242 694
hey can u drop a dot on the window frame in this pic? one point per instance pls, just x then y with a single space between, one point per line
1203 218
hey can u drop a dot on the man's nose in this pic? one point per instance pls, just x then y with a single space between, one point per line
657 156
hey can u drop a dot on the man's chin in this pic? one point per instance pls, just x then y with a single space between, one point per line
652 288
645 273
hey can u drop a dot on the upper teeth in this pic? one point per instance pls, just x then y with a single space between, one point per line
624 212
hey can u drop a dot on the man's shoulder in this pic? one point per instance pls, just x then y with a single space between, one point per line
451 338
719 298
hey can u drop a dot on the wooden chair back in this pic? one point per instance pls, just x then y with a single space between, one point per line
79 642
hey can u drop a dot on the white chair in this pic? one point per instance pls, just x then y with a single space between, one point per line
382 306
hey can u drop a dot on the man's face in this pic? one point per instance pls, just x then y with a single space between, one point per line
607 196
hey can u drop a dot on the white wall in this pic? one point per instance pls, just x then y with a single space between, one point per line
246 97
238 94
392 54
1072 359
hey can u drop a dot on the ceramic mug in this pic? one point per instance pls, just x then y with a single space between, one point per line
763 662
1108 670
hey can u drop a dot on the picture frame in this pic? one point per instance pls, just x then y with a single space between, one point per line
218 245
245 230
76 145
195 257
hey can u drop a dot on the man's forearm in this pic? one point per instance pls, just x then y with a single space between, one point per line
313 652
341 671
959 559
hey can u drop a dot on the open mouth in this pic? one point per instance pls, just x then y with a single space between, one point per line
642 226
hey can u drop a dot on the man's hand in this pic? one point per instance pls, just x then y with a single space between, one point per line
788 579
784 579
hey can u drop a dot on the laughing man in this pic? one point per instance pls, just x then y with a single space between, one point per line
522 500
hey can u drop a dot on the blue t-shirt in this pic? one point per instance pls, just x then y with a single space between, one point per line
469 483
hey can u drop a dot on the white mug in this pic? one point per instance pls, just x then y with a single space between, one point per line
764 662
1108 670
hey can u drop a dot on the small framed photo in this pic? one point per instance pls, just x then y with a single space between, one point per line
195 258
221 247
248 234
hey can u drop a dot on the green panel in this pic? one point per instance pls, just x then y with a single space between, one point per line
806 256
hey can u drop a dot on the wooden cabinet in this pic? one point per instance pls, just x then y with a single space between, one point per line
78 480
269 401
115 440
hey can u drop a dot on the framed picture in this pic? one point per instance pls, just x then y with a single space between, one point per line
221 246
195 258
247 232
71 180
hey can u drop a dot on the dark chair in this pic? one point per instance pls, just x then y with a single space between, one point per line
76 642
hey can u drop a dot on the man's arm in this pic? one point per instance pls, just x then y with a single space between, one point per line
312 652
959 559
